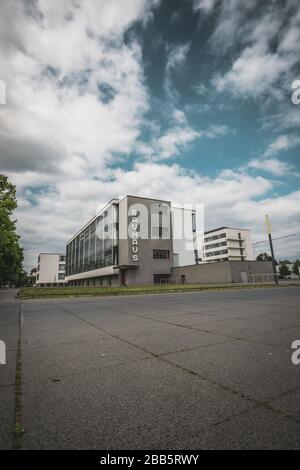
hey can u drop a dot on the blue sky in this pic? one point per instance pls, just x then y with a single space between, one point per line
188 100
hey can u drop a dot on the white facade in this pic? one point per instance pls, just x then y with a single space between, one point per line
51 269
184 236
227 244
102 253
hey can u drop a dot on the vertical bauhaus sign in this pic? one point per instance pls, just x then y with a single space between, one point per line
134 236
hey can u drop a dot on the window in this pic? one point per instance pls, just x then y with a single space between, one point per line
161 254
96 246
193 222
162 278
61 267
215 237
61 276
160 221
62 258
216 253
215 245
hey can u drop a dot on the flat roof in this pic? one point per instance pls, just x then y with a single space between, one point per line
223 228
52 253
150 198
112 201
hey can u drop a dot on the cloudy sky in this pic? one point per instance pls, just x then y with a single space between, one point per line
188 100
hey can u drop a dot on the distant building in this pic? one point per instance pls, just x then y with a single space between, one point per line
51 270
227 244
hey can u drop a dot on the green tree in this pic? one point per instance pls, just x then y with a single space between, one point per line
284 270
11 253
265 257
296 266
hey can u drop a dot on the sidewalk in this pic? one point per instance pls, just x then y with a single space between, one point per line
9 333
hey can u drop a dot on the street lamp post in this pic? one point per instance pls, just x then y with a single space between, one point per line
271 248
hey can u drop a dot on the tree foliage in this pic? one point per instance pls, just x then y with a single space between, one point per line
264 257
11 253
296 267
284 270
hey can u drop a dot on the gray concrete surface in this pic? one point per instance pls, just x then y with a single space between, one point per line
9 333
172 371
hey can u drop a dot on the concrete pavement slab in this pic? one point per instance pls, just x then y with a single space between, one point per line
143 404
7 398
255 370
213 392
288 403
56 361
257 429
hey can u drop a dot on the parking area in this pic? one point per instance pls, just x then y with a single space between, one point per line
164 371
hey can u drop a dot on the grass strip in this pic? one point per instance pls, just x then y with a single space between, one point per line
52 292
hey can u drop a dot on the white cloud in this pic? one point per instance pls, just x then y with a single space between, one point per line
204 5
281 143
272 165
177 56
175 62
258 67
76 102
72 83
171 143
176 139
253 73
217 131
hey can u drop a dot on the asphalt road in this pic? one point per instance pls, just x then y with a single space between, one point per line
172 371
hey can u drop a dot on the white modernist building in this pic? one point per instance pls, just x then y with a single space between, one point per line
227 244
132 240
51 270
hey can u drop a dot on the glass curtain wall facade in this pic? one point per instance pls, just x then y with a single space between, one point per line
96 245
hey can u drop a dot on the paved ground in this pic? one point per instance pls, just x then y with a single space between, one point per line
188 370
9 332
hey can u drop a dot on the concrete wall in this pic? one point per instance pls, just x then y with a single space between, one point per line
250 267
219 272
203 273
